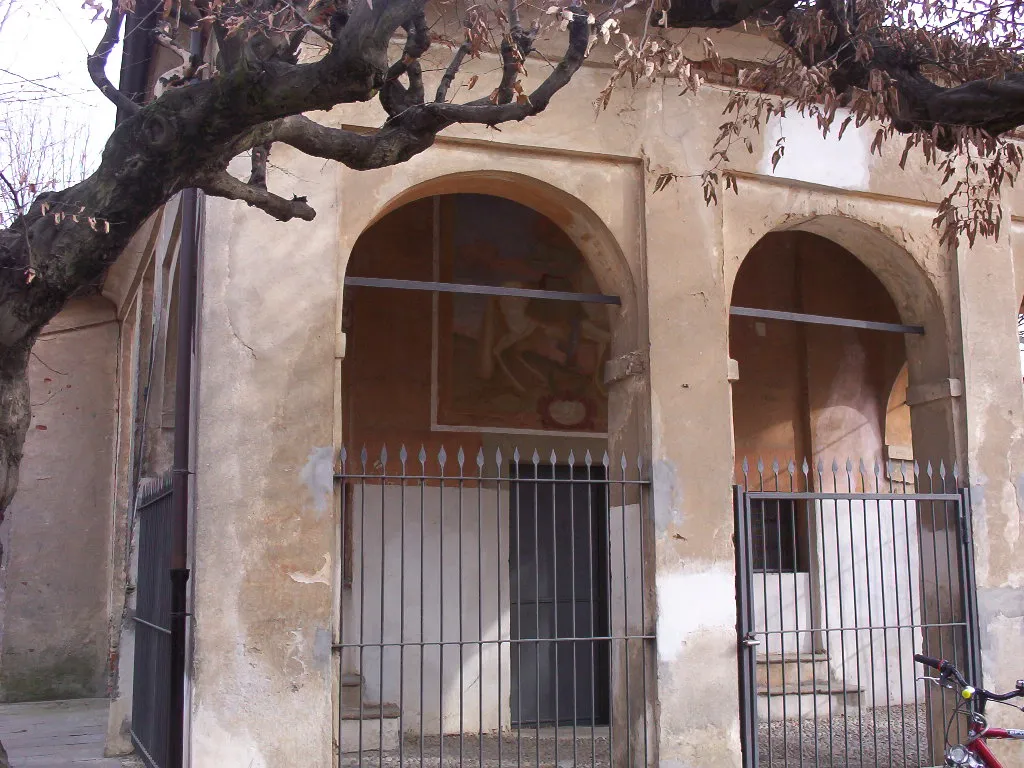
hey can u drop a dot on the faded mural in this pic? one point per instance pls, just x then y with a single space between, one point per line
510 362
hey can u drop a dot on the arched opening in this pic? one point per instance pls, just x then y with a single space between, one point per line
850 571
809 390
487 535
899 438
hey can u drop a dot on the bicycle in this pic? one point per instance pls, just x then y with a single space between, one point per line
974 752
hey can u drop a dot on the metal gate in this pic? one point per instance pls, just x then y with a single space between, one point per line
843 574
494 610
150 687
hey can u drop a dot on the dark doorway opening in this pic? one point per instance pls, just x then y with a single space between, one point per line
559 595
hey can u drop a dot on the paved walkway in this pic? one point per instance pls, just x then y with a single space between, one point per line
56 734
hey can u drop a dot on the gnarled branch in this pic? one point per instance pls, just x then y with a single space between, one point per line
225 185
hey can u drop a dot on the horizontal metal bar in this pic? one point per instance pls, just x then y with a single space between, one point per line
455 479
879 627
786 495
844 322
517 641
151 626
482 290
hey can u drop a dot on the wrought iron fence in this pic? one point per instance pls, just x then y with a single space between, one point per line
843 573
494 610
151 692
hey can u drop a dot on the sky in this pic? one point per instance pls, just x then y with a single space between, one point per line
48 41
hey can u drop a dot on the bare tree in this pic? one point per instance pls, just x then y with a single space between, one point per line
945 74
39 152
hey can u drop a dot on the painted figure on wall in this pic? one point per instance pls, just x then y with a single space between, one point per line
508 361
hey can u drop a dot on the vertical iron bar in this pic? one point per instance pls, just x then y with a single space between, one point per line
643 600
519 613
782 629
440 608
536 589
383 574
625 615
342 521
362 592
899 620
499 611
938 604
882 592
923 599
554 588
842 621
856 620
748 683
593 612
423 647
827 632
796 639
762 507
946 533
970 596
480 607
401 615
871 631
572 570
606 557
462 657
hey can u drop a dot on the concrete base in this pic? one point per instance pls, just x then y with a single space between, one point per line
370 728
54 734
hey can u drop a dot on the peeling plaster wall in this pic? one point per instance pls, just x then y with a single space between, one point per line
995 456
261 671
53 582
270 393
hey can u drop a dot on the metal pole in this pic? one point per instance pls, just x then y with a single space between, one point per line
187 289
180 471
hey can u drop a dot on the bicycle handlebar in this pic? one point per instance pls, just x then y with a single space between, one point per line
948 668
931 661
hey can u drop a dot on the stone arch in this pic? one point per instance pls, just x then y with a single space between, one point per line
583 226
628 390
933 389
626 380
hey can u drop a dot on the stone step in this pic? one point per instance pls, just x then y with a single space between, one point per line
375 726
810 701
370 711
351 690
777 669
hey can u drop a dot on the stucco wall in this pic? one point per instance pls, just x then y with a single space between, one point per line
270 397
56 536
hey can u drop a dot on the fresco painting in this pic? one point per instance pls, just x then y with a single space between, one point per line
510 362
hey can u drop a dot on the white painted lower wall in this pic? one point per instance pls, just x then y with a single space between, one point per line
865 581
431 566
869 576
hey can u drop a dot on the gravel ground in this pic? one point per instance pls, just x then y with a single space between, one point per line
511 747
896 737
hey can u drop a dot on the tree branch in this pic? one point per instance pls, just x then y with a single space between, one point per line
453 69
225 185
394 96
415 129
97 63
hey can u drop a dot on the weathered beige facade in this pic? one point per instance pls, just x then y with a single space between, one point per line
264 681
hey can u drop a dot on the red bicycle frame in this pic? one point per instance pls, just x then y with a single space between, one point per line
977 746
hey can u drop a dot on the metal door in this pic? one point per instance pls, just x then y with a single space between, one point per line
558 581
868 568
